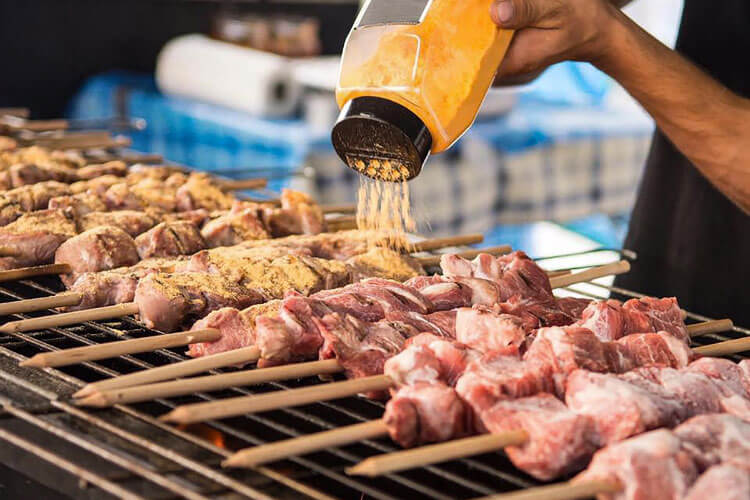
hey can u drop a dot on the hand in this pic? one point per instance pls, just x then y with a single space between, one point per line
551 31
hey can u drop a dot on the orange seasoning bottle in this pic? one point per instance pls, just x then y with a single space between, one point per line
413 76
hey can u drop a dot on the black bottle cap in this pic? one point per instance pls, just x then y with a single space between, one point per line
381 139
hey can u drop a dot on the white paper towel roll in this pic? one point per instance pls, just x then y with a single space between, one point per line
237 77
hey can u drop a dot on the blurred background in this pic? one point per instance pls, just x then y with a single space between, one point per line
245 88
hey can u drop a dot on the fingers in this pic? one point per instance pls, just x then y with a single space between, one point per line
513 14
518 14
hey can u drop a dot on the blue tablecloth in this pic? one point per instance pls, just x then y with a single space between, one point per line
561 154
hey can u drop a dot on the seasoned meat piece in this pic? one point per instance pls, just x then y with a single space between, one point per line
241 223
200 192
98 249
120 197
23 174
153 194
299 214
425 413
559 440
731 481
23 199
652 465
170 239
116 168
33 238
97 186
381 262
167 301
104 288
237 327
107 288
79 204
485 330
132 222
195 217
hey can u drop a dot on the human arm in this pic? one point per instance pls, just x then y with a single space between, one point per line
703 119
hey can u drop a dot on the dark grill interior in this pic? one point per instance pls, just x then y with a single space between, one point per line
126 452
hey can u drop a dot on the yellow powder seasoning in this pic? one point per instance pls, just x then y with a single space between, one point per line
383 206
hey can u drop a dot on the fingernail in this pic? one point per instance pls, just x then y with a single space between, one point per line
504 11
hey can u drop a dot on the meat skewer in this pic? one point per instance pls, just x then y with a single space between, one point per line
83 178
514 431
697 459
210 281
311 345
99 289
39 235
326 367
238 331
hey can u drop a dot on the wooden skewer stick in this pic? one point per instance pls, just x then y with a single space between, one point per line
715 326
28 305
243 184
30 272
209 383
564 491
434 260
342 223
724 348
71 318
299 446
451 241
261 375
615 268
19 123
118 348
338 209
176 370
17 112
435 453
281 399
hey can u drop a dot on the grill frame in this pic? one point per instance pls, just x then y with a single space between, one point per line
189 463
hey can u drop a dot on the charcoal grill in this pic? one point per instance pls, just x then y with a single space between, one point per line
53 449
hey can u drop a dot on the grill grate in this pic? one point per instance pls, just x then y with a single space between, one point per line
125 452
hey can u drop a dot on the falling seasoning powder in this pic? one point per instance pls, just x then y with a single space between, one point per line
384 209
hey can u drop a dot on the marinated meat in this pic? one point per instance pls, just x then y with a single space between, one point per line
130 221
167 301
98 249
169 239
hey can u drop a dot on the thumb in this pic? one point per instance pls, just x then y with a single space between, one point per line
515 14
